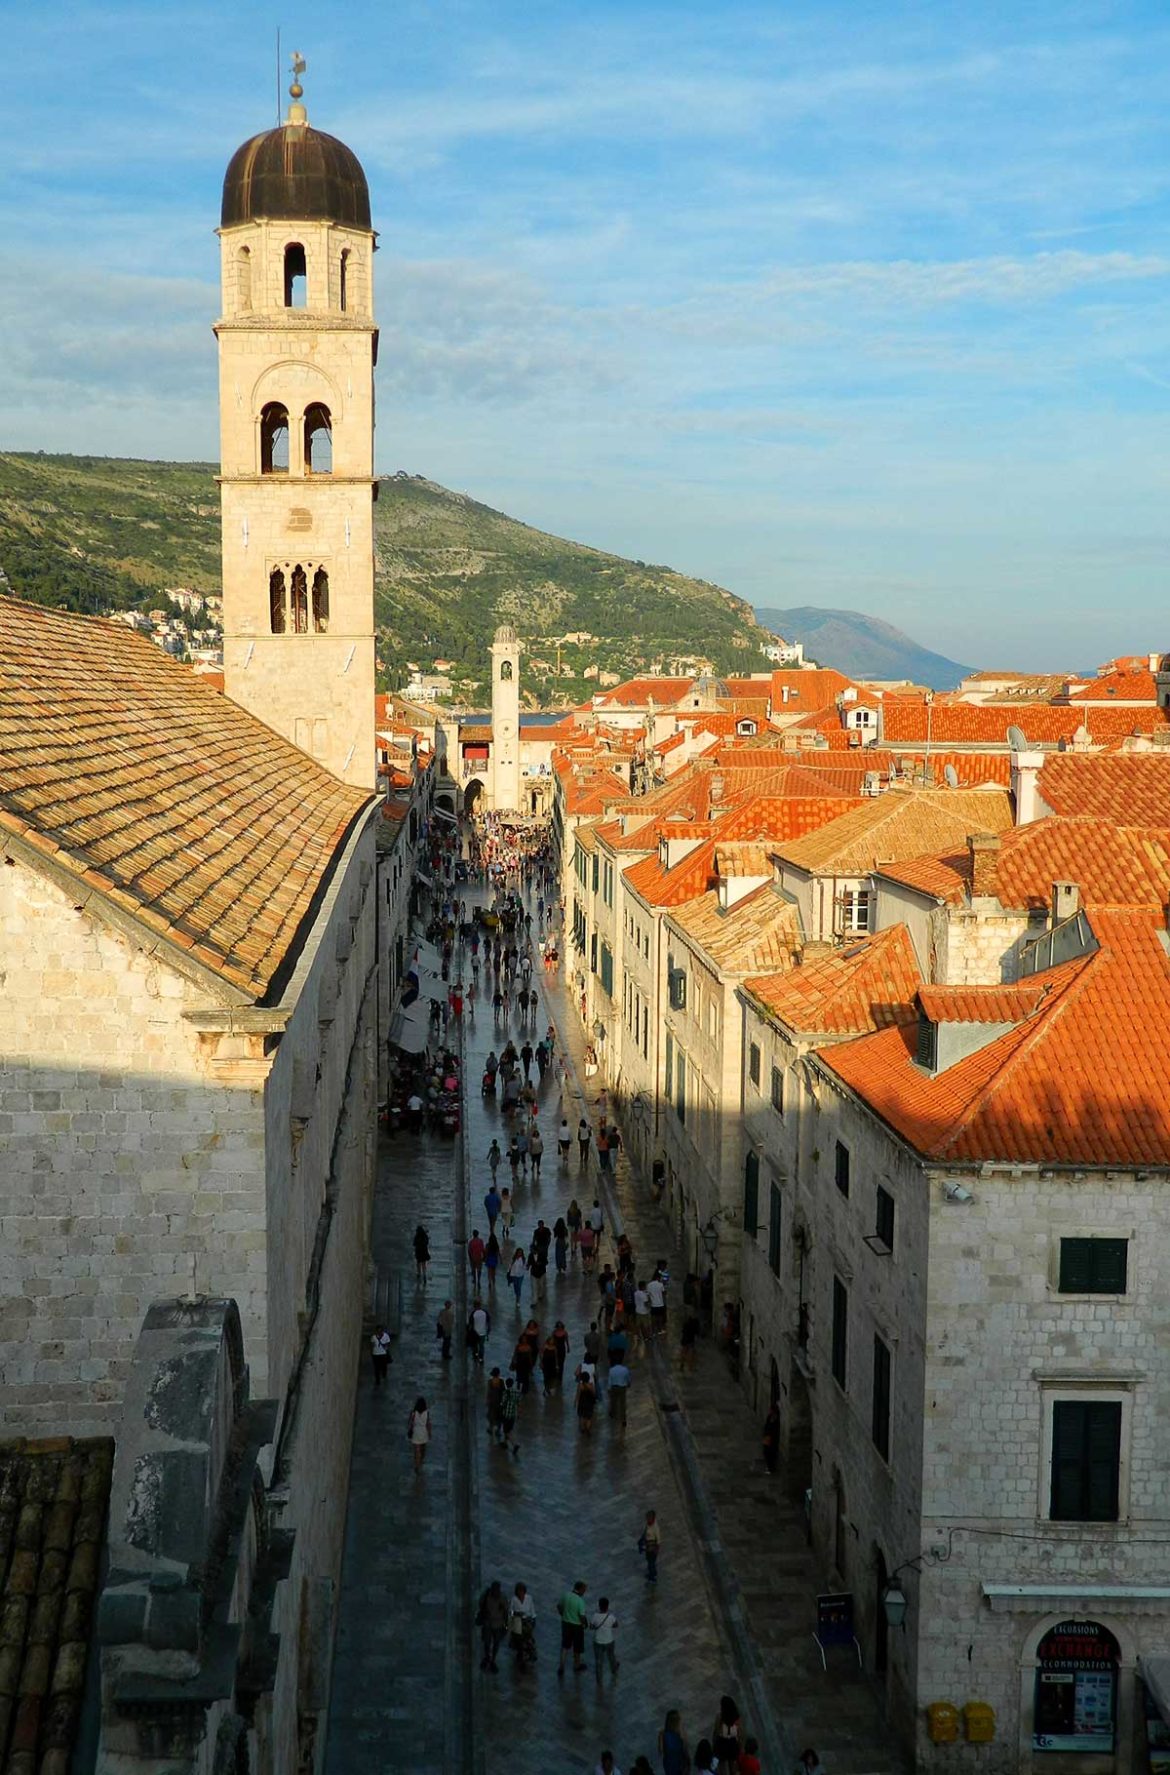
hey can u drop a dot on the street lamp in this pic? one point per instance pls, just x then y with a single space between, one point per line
894 1603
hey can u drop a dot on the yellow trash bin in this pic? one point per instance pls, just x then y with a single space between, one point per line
978 1722
942 1722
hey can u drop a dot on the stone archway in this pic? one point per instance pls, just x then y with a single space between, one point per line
471 794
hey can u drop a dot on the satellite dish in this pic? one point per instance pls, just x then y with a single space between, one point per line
1017 740
952 776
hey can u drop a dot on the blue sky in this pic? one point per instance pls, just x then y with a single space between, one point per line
856 304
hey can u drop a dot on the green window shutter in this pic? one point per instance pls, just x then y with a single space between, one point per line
751 1195
881 1398
1086 1458
840 1331
668 1081
774 1230
1093 1266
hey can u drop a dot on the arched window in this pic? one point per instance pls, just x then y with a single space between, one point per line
274 439
343 282
506 670
321 601
244 278
296 276
277 615
318 441
300 601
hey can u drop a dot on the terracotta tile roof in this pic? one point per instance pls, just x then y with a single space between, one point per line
760 931
161 795
475 736
635 693
901 823
742 856
863 986
813 688
1133 785
54 1498
1083 1081
967 724
943 878
982 1004
1112 865
1121 687
849 771
762 817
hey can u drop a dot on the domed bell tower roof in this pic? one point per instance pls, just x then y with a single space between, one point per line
295 173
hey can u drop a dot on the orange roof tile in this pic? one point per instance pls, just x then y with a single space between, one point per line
1083 1081
635 693
167 798
1112 865
958 723
813 687
1121 687
901 823
863 986
982 1004
762 817
1133 785
943 878
760 931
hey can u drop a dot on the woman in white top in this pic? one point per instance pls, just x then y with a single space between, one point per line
517 1270
418 1431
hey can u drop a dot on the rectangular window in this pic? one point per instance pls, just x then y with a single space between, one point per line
774 1230
751 1195
645 1032
607 969
841 1167
881 1398
840 1331
680 1085
668 1074
1086 1460
1093 1266
884 1219
778 1090
593 953
608 891
596 871
754 1063
855 910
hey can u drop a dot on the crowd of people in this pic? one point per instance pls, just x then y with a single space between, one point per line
539 1356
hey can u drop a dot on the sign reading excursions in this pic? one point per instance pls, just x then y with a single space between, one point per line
1076 1688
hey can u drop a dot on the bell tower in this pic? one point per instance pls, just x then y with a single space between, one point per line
297 348
505 652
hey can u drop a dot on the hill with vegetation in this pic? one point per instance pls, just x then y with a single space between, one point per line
101 534
863 646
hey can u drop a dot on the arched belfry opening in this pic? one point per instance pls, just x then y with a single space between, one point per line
296 276
321 602
300 600
244 278
277 596
343 282
318 440
274 439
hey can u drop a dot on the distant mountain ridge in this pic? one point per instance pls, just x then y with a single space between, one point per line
100 534
862 646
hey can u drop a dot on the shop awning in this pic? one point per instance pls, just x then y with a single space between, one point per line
408 1028
1155 1670
442 813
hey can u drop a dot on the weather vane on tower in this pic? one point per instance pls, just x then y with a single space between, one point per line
296 92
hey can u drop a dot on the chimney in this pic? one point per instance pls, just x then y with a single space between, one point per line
984 851
1026 768
1066 900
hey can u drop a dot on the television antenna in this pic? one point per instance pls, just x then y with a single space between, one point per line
1017 739
952 776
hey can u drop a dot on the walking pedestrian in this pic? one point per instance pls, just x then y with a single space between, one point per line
480 1324
688 1349
445 1328
509 1411
491 1202
606 1764
561 1339
418 1432
506 1209
672 1746
380 1353
749 1758
564 1140
726 1735
603 1625
809 1764
584 1136
537 1270
495 1393
619 1390
592 1343
517 1270
650 1545
704 1757
522 1363
573 1218
603 1148
597 1220
586 1401
492 1621
656 1290
522 1626
522 1149
422 1253
571 1609
560 1244
549 1365
475 1255
535 1151
642 1315
491 1261
587 1240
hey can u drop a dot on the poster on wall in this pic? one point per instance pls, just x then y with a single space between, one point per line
1076 1689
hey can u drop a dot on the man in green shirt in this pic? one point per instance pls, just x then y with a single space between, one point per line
571 1609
